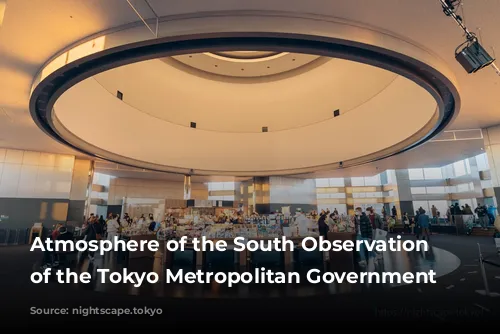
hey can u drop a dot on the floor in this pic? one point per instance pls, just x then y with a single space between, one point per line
456 296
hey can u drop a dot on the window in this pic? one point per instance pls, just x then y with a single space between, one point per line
486 184
433 174
416 174
467 166
331 182
372 180
391 176
221 198
320 183
421 204
462 188
459 168
221 186
482 162
451 189
441 206
436 190
337 182
357 181
418 190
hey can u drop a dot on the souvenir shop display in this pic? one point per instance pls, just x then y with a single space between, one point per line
269 231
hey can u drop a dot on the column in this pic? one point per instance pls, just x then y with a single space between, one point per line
348 196
405 203
81 188
492 147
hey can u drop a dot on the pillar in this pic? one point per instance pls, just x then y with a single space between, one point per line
81 188
491 139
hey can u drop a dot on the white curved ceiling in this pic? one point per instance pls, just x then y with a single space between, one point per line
300 99
33 31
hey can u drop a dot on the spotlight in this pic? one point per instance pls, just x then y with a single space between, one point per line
473 57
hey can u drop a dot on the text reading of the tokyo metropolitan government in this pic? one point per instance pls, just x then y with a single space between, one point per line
258 275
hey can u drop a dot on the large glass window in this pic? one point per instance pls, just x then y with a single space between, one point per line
331 182
416 174
486 184
421 204
482 162
463 188
418 190
459 168
331 195
221 186
322 183
433 174
373 180
336 182
357 181
221 198
467 166
341 208
436 190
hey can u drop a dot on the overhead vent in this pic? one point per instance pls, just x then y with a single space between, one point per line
336 113
264 129
193 125
119 95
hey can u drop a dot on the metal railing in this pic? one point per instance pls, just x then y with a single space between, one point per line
12 237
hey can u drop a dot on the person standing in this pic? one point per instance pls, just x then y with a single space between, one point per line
113 228
303 223
406 222
394 212
482 214
94 232
424 222
322 226
364 232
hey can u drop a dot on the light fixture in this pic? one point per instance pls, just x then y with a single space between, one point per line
472 56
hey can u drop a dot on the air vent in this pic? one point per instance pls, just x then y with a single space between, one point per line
336 113
119 95
264 129
193 125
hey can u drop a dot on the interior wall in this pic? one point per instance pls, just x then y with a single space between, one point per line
143 188
36 187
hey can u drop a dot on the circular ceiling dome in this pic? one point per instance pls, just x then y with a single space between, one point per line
243 64
295 103
245 55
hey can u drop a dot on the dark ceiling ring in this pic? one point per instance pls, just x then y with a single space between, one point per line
54 85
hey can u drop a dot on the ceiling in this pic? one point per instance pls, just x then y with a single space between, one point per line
33 31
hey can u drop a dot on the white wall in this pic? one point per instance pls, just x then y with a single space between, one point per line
143 188
27 174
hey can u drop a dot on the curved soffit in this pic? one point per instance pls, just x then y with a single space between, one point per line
358 137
